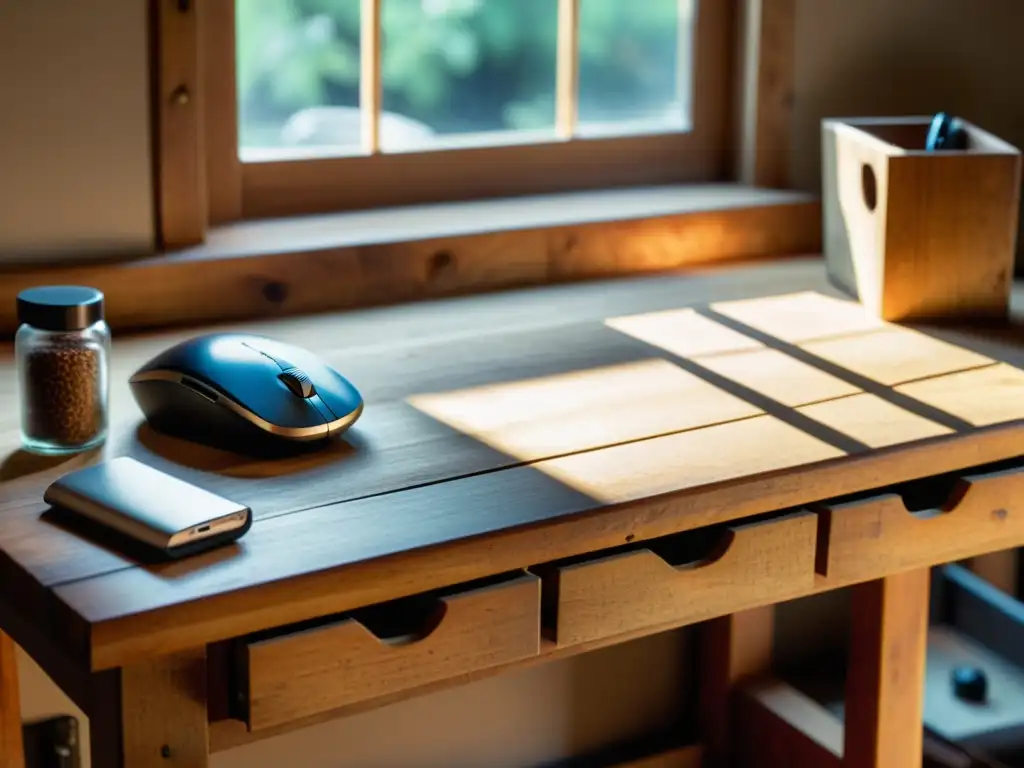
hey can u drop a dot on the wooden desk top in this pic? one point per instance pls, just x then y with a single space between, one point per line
508 430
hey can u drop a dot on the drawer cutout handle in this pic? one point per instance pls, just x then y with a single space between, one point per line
722 547
404 622
694 549
975 505
625 591
983 495
742 543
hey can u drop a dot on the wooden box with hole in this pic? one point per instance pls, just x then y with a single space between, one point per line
918 234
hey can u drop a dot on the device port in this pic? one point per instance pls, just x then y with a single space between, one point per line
202 529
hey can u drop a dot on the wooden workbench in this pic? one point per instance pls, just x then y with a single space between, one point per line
557 470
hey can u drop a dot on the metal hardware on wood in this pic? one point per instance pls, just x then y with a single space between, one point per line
181 96
184 5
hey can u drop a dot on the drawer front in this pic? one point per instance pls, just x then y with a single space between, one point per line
759 563
317 670
877 536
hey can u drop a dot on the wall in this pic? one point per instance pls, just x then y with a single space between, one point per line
906 57
74 136
75 179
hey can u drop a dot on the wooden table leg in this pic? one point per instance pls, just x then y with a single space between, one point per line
163 712
885 678
12 752
733 648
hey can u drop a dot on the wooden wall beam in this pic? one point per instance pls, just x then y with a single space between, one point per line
219 93
885 676
179 154
12 752
767 37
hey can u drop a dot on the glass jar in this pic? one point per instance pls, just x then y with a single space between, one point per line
62 350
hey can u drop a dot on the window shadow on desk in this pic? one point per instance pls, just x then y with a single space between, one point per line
734 388
642 406
630 414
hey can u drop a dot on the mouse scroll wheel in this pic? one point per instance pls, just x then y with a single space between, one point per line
298 382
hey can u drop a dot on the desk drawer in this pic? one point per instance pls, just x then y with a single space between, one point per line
750 565
315 670
876 536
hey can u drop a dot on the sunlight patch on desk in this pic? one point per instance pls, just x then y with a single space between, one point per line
775 374
683 332
896 355
981 397
537 418
688 459
873 421
798 317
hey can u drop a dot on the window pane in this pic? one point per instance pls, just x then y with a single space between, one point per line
465 72
298 78
636 65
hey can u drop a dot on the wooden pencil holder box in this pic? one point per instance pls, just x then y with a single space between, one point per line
915 234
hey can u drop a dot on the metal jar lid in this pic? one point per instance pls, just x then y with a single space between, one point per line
60 307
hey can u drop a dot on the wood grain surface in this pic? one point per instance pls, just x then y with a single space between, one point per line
885 679
12 753
277 268
178 112
219 83
765 114
758 563
163 706
914 233
982 514
503 432
300 674
228 734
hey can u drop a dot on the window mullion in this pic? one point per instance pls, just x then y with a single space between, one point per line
568 68
370 90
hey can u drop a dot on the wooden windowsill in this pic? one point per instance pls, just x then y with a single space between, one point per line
448 220
317 263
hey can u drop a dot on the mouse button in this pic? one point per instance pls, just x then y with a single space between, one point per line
338 393
325 412
298 381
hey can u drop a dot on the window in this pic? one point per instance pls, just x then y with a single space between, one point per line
330 105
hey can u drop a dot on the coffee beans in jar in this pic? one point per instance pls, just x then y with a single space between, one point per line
62 349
